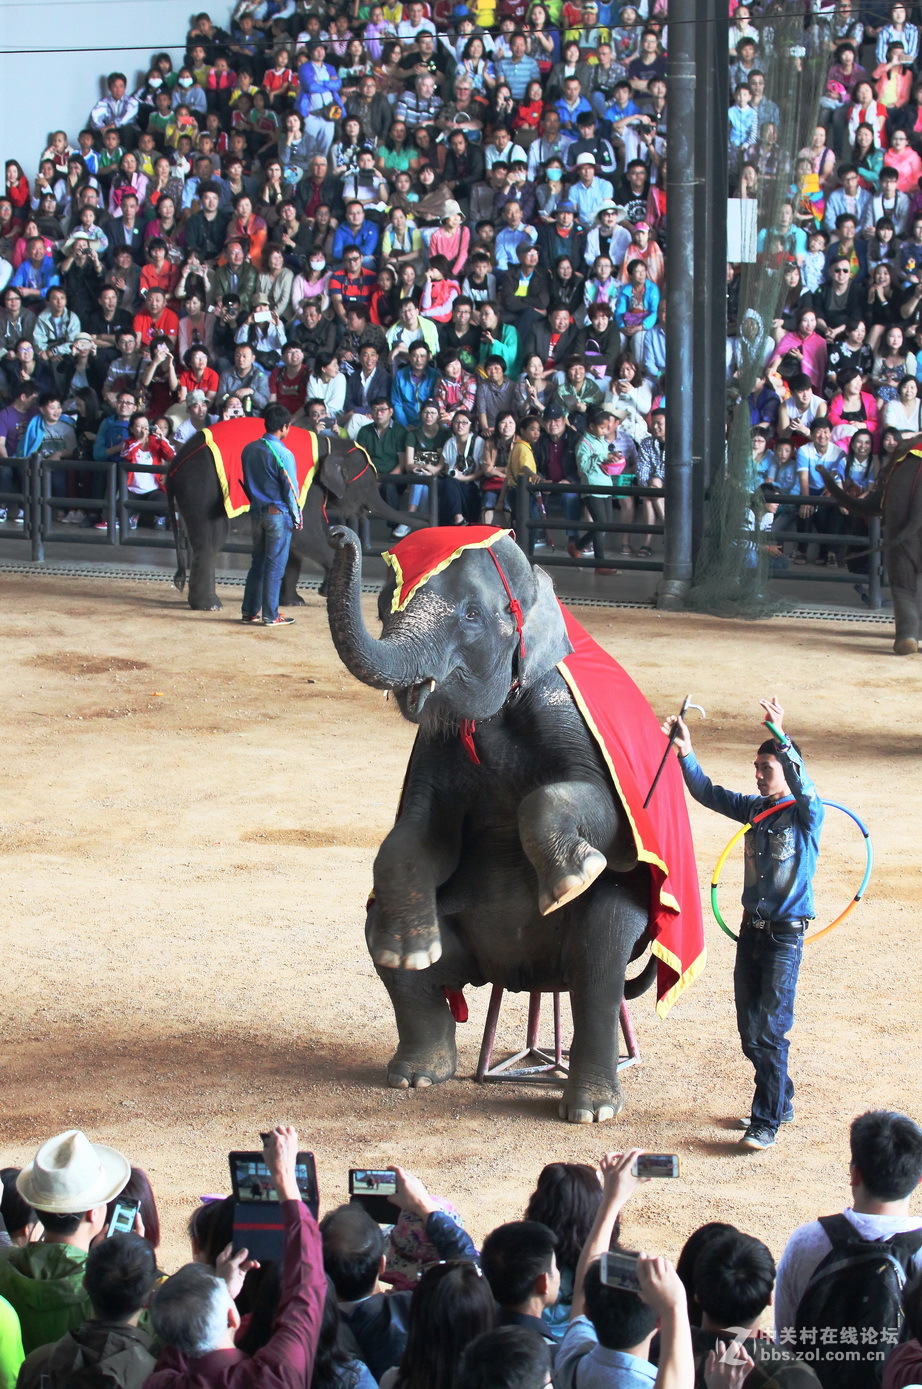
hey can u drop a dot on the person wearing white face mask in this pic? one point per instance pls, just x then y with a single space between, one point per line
312 283
186 93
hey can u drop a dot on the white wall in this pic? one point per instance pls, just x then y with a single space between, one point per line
44 91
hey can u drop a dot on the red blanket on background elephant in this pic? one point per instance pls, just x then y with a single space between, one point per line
628 735
226 441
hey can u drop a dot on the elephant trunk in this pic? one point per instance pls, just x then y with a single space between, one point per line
386 664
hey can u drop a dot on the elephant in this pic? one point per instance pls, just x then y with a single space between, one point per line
897 497
516 866
345 481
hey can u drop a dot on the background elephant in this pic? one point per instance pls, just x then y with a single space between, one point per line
342 483
518 868
897 497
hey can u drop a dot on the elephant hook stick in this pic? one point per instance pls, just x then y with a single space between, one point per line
686 705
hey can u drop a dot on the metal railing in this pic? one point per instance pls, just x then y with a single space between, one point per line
38 504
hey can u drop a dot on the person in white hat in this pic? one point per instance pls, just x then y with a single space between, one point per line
68 1183
589 191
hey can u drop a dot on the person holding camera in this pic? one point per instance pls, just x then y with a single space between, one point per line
607 1343
781 858
193 1313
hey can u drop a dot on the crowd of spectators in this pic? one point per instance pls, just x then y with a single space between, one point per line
836 361
414 1304
363 211
355 212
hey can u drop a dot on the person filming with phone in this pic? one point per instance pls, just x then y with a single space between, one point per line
194 1315
780 861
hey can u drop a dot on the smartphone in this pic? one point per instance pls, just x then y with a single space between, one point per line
618 1269
262 316
371 1188
123 1218
656 1165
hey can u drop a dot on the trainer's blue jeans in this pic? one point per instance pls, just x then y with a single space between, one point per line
764 984
271 535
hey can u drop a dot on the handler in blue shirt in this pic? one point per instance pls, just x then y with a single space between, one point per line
780 862
271 484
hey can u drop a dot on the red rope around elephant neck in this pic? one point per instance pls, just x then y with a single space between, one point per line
467 727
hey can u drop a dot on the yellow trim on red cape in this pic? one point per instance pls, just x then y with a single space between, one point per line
420 556
230 438
660 832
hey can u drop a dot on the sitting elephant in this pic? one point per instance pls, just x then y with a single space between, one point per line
346 482
512 860
897 497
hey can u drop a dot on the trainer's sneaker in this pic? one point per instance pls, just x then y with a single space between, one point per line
251 621
757 1137
279 621
401 531
744 1123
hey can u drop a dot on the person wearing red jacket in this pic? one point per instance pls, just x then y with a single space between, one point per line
194 1315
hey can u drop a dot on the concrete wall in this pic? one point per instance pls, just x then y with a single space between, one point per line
45 91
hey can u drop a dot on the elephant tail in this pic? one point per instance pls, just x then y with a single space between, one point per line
176 528
643 981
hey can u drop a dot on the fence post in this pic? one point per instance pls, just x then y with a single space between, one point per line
521 515
433 501
34 486
117 515
875 564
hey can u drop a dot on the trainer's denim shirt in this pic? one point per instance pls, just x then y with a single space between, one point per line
781 852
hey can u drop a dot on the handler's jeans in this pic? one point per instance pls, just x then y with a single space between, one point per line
764 984
271 532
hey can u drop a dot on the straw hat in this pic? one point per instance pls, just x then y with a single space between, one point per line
69 1174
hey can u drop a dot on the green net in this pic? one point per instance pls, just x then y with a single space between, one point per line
732 569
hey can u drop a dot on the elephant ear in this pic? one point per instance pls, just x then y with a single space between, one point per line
332 476
545 636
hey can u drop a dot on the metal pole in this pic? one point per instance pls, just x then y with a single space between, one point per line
680 343
875 565
34 477
710 331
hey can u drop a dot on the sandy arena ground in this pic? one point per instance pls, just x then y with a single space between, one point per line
188 817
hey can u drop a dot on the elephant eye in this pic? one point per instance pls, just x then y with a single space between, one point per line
472 614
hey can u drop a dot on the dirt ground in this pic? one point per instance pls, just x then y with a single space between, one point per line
188 816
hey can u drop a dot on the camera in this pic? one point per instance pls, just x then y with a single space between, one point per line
123 1218
618 1269
372 1188
656 1165
258 1223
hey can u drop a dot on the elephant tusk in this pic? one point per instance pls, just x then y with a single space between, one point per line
432 687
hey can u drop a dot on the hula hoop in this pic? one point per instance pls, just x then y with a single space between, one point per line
757 819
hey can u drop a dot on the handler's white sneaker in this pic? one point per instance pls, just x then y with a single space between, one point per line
401 531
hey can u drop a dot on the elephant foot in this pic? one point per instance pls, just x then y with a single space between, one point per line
586 863
590 1102
206 605
414 948
409 1071
906 646
291 600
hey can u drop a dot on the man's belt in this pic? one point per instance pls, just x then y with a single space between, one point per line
793 925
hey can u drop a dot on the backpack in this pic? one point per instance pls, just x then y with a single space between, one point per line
850 1315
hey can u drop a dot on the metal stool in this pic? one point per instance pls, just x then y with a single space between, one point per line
540 1064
